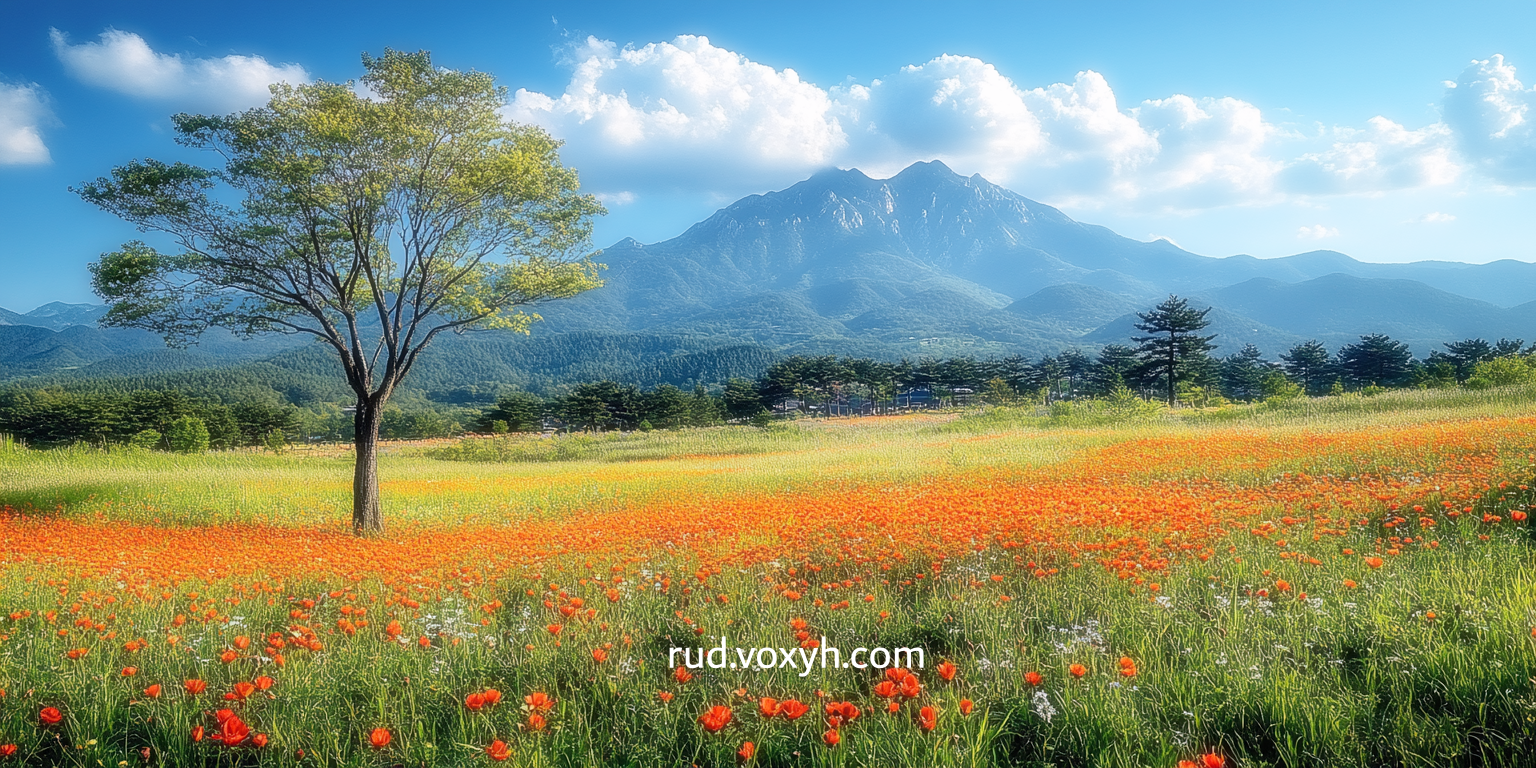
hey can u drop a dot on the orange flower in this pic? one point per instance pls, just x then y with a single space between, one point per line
380 738
715 718
536 722
599 655
885 689
243 690
681 675
474 702
195 687
792 709
1033 678
831 737
50 716
966 706
492 697
153 691
767 706
228 657
1212 760
927 718
7 750
747 751
946 670
242 642
130 671
1077 670
498 751
264 682
1374 562
538 702
197 733
259 740
665 696
393 629
233 731
78 653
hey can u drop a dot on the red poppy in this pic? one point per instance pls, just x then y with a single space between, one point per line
498 751
792 709
380 738
946 670
539 702
831 737
1077 670
767 706
966 705
474 702
715 718
195 687
492 697
264 682
50 716
1033 678
232 731
927 718
153 691
259 740
536 722
748 749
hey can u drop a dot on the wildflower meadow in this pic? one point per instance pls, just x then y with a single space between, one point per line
1345 581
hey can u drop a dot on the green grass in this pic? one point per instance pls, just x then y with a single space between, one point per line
1358 677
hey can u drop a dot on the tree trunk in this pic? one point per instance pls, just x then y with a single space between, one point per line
367 518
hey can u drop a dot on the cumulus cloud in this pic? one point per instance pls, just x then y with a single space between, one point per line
684 111
123 62
689 114
1316 232
1489 110
23 112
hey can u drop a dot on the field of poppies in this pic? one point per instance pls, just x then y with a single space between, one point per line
1345 582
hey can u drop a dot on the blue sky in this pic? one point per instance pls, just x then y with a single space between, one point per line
1263 128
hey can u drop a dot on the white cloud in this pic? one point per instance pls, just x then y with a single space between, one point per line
1433 217
690 115
1489 110
1316 232
23 112
123 62
685 113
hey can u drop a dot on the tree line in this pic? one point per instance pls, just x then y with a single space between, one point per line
1172 349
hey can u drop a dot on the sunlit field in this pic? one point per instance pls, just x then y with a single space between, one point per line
1345 582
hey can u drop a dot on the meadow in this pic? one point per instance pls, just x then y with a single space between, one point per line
1344 581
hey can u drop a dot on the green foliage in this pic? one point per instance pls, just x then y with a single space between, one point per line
1503 372
276 441
187 434
147 439
1172 351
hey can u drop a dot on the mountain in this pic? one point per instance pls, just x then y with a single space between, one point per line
927 258
925 263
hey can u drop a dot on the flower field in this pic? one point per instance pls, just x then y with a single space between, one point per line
1351 588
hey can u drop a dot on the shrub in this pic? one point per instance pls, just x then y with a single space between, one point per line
1503 372
276 441
187 434
149 440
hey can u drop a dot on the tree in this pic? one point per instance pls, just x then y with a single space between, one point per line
741 398
517 411
1309 365
187 434
371 222
1242 374
1113 369
1172 345
1376 361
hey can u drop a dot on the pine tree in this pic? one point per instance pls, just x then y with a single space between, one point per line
1172 348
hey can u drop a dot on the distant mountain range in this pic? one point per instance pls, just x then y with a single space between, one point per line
927 262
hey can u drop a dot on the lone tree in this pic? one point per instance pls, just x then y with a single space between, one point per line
1172 342
371 216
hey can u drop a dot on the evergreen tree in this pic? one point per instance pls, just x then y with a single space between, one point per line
1309 365
741 399
1114 368
1173 351
1377 360
1242 374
